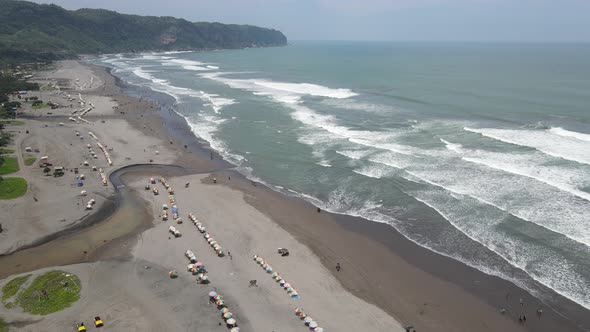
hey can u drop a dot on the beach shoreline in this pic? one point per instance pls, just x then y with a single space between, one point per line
412 284
479 287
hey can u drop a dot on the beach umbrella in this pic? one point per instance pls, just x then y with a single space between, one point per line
231 322
255 257
197 264
275 274
228 315
269 269
298 310
259 260
212 294
217 297
220 303
235 329
289 290
313 325
224 310
286 285
264 266
307 321
318 329
279 279
282 282
302 315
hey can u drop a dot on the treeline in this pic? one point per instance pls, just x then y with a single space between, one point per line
8 85
36 32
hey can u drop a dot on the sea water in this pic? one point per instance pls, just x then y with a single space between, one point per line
480 152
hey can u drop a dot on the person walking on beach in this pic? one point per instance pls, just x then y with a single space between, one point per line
338 267
229 254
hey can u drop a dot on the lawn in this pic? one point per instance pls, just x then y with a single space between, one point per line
36 107
11 288
30 160
6 151
8 165
50 292
12 188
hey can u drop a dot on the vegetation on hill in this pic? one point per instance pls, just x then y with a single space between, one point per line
39 32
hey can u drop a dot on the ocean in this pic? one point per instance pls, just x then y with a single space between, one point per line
479 152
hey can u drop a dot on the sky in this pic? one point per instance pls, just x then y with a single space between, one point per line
404 20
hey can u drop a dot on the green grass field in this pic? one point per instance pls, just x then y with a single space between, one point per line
6 151
11 288
12 188
62 290
30 160
10 165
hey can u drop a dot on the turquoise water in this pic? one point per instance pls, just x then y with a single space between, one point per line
480 152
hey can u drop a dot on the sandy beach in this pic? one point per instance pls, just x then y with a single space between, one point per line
122 250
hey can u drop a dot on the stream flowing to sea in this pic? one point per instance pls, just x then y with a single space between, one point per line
480 152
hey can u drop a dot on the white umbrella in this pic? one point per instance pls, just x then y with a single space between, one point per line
212 293
307 320
231 321
237 329
318 329
313 325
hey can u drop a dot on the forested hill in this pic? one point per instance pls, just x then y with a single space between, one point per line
38 31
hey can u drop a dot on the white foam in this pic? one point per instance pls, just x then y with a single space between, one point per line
354 154
216 102
566 133
453 146
351 104
483 226
546 141
183 62
566 179
306 89
178 52
212 67
280 91
374 171
324 163
195 68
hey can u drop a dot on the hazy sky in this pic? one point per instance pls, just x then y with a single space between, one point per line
432 20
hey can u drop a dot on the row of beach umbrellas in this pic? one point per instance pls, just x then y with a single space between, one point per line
277 277
102 148
308 321
226 315
195 267
212 242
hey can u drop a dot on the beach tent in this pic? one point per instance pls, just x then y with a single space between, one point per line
231 322
80 183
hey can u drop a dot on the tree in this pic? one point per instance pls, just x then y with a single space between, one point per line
46 170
